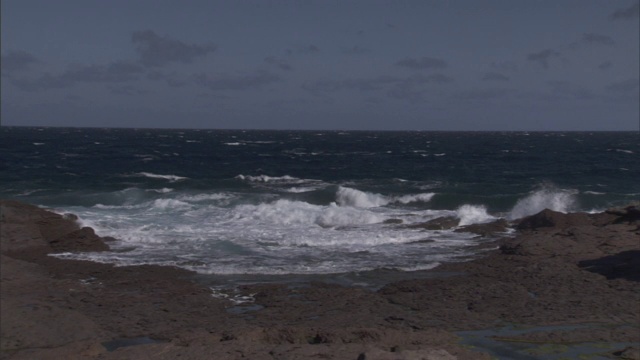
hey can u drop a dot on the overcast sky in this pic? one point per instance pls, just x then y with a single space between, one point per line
341 64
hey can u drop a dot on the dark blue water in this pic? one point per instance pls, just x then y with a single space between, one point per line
221 201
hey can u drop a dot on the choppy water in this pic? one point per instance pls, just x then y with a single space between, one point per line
307 202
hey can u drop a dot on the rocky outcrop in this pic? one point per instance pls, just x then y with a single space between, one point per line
28 228
487 229
441 223
556 269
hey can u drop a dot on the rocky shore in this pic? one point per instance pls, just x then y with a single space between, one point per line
573 278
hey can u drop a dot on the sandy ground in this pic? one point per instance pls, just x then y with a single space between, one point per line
573 277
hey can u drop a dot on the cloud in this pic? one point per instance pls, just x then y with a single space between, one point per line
172 79
279 63
355 50
482 94
565 88
303 49
605 65
125 90
504 66
411 88
628 13
494 76
625 87
116 72
16 61
543 57
156 51
591 38
241 82
422 63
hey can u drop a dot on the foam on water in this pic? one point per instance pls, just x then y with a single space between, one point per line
207 233
351 197
171 178
473 214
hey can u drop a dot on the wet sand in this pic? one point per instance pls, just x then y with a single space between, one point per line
561 279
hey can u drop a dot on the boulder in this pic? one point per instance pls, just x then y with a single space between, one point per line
486 229
553 219
441 223
84 239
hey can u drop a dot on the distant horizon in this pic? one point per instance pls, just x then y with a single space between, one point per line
311 130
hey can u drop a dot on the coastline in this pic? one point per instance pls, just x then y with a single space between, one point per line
560 269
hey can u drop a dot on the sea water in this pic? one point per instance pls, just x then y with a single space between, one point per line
233 202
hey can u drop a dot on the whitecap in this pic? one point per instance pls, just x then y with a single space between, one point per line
161 191
351 197
473 214
171 178
406 199
545 198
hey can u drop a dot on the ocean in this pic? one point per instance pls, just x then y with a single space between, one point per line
284 203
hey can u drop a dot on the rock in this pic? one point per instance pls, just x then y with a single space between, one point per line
393 221
422 354
487 229
629 213
84 239
631 353
441 223
553 219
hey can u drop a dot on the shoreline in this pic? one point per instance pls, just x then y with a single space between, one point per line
559 269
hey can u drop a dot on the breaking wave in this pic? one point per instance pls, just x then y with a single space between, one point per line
171 178
545 198
473 214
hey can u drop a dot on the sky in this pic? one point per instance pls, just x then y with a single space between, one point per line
493 65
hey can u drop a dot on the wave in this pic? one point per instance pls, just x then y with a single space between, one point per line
161 191
473 214
171 178
168 204
351 197
286 212
271 179
406 199
546 198
346 196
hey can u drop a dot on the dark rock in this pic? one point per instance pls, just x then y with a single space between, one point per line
630 353
441 223
553 219
393 221
629 214
625 265
84 239
486 229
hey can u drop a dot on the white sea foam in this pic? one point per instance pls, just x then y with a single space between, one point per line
171 178
209 233
205 197
624 151
594 193
346 196
546 198
352 197
473 214
406 199
286 212
161 191
266 178
169 204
